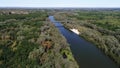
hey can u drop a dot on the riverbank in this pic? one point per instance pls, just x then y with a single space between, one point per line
105 38
75 31
85 53
95 39
63 48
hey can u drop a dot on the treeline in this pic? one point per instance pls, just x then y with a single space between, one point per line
30 15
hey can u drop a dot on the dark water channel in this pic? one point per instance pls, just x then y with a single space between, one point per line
85 53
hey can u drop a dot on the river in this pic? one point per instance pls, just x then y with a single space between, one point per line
85 53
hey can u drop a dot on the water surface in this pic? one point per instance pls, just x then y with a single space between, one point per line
85 53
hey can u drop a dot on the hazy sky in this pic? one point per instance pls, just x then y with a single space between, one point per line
60 3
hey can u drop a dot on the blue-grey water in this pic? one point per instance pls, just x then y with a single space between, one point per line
85 53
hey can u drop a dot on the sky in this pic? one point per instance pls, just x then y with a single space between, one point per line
60 3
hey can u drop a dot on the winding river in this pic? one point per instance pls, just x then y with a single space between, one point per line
85 53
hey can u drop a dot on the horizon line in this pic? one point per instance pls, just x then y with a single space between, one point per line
59 7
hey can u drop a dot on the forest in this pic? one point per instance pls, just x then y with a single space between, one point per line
29 40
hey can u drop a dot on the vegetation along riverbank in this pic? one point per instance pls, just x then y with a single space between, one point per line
101 27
